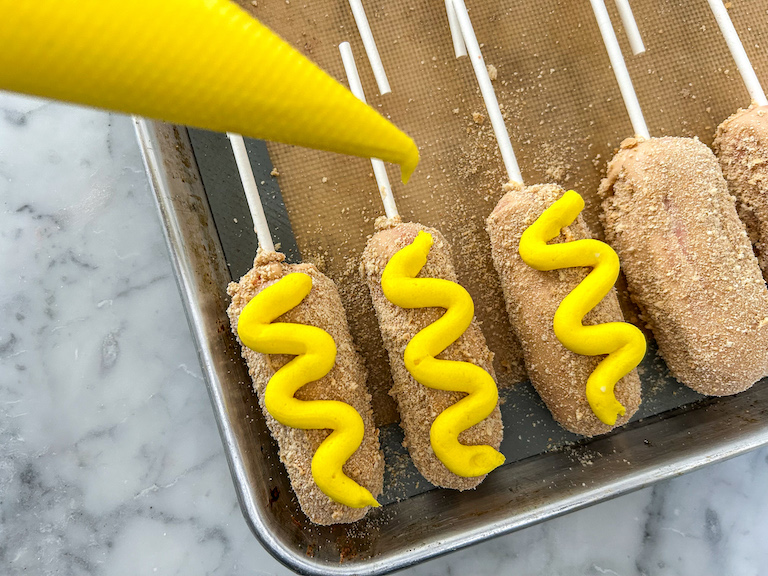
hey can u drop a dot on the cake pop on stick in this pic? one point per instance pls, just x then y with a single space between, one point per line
316 404
533 297
449 406
685 254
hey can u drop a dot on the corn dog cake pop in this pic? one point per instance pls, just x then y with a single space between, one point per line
532 297
741 145
685 254
623 343
421 406
310 380
442 369
688 262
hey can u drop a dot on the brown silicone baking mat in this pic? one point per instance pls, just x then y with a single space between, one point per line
565 116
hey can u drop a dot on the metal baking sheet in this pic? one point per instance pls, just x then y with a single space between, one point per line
549 472
519 404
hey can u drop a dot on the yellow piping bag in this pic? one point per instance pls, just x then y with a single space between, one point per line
204 63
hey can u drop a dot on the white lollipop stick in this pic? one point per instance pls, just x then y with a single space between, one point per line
459 49
486 89
620 69
630 27
737 51
379 172
370 46
260 225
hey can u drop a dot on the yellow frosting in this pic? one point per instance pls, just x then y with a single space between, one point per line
403 289
623 342
315 353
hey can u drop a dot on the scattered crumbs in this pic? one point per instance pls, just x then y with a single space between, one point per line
274 173
324 180
234 220
729 5
478 118
581 454
555 161
492 72
480 157
556 173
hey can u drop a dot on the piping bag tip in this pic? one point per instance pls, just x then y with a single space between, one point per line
242 78
409 162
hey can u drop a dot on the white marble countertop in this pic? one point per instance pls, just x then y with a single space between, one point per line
110 460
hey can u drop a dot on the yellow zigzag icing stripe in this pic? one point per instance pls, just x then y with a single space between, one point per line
402 289
315 353
623 342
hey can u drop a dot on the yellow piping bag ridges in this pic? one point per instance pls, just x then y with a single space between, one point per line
623 342
315 353
204 63
402 288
